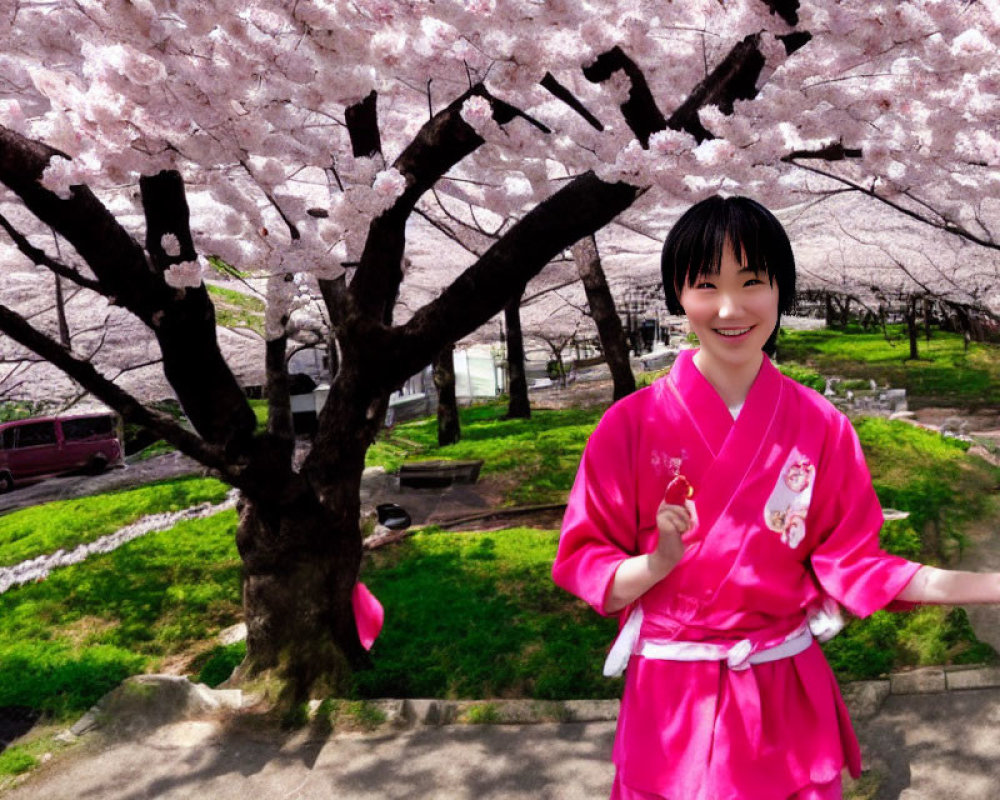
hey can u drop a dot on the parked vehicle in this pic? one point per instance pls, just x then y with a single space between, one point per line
32 449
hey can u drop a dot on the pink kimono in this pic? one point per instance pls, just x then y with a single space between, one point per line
786 519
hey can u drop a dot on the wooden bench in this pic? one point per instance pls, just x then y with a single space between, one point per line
435 474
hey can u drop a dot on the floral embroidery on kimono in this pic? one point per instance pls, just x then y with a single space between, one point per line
788 506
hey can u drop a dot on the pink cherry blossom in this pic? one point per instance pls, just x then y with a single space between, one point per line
477 111
170 244
249 103
187 274
389 184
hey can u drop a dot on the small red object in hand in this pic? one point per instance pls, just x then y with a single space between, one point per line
678 490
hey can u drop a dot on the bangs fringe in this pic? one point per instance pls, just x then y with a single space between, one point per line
695 245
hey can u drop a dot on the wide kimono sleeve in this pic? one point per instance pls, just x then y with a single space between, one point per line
848 562
599 530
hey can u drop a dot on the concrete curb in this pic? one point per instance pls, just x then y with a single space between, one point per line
370 715
864 699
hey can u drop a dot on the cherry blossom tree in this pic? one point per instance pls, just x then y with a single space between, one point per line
861 254
300 139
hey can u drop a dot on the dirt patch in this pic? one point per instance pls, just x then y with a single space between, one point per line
86 628
579 394
977 421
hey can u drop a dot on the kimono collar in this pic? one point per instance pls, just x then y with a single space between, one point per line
708 410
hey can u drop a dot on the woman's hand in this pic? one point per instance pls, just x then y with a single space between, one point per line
636 575
672 522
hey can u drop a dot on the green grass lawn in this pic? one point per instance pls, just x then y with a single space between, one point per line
64 524
70 638
537 458
235 309
476 615
945 374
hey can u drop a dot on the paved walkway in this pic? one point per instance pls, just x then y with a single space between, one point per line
928 746
942 746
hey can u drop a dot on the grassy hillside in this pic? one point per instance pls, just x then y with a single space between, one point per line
945 374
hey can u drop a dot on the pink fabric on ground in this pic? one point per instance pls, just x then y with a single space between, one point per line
787 519
368 614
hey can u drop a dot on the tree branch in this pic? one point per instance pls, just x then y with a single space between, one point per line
362 127
84 373
640 110
183 322
583 205
41 259
278 394
945 224
185 327
735 78
835 151
115 258
786 9
442 142
560 92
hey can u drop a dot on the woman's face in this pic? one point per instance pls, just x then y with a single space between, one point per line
732 313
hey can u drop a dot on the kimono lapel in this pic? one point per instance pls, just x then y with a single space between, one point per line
729 450
703 409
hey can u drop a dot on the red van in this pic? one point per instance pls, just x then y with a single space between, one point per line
43 446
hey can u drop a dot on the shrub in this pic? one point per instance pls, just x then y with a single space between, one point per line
16 760
804 375
220 663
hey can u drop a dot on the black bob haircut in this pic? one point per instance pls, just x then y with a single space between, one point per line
694 247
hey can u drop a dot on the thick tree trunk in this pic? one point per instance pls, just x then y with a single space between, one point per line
830 322
300 565
518 407
964 326
560 368
299 537
449 429
602 309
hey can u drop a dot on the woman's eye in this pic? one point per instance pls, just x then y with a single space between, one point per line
704 285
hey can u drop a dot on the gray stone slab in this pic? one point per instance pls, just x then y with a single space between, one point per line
865 698
982 678
919 681
591 710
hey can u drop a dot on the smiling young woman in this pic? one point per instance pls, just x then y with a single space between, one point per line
725 513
